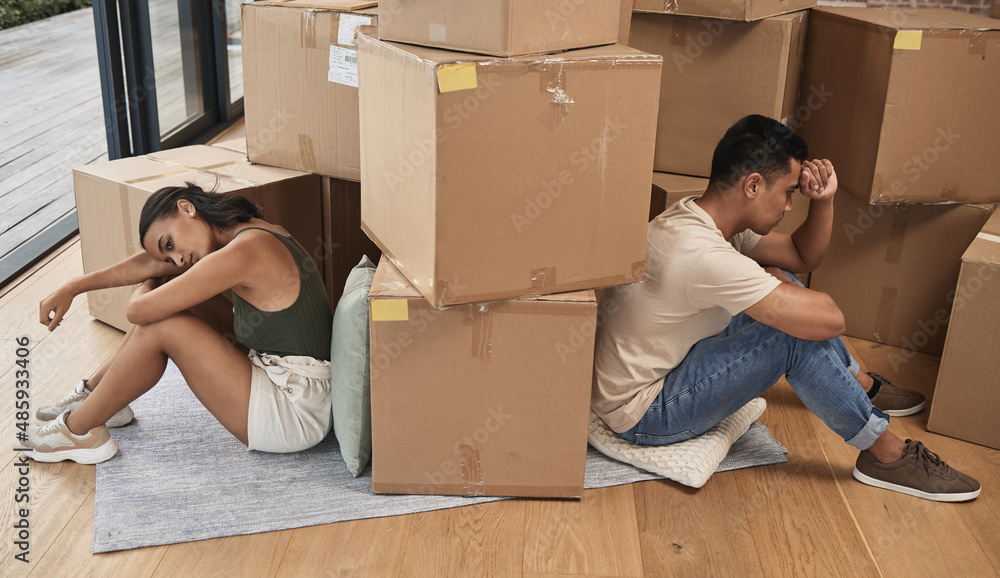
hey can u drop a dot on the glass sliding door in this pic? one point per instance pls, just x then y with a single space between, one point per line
171 71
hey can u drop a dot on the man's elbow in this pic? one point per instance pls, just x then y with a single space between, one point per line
810 266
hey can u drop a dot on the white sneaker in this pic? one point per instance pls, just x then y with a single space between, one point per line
47 413
53 442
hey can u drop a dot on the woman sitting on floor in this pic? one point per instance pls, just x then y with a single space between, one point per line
199 245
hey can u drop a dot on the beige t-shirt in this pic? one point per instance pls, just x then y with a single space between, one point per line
695 282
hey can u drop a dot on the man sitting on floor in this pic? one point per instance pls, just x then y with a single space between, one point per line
716 322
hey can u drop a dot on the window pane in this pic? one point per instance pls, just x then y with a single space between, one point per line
234 49
177 61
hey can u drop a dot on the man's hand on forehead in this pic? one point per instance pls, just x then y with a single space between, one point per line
818 180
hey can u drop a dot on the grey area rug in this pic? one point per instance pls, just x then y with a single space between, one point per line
180 476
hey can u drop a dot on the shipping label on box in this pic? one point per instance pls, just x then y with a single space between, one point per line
300 80
910 102
715 72
484 399
488 178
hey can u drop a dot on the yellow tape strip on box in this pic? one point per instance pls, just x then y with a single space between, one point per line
452 77
908 40
390 310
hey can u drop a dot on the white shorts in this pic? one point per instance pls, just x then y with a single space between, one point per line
291 403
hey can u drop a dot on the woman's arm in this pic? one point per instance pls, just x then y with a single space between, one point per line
130 271
223 269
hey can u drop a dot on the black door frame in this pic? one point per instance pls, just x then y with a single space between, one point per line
128 83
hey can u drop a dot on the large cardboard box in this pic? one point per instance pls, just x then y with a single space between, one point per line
487 178
724 9
669 188
486 399
110 196
714 73
892 269
501 27
967 396
344 242
909 102
300 83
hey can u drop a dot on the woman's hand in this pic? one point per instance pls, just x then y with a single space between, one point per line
53 308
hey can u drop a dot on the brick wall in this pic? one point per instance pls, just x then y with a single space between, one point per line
980 7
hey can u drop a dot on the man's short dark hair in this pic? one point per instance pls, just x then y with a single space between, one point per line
755 144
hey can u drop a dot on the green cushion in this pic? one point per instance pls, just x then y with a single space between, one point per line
351 375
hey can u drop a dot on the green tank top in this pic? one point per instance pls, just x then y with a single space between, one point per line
302 328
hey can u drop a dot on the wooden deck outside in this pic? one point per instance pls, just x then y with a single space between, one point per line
51 120
804 518
52 116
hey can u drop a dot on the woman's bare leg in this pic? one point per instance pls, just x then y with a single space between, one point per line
217 373
217 312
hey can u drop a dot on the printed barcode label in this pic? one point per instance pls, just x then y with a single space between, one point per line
343 66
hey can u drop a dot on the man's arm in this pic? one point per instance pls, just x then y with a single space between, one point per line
799 312
803 250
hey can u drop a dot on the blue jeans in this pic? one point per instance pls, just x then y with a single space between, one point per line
721 374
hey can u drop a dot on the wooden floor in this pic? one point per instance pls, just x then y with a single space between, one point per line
804 518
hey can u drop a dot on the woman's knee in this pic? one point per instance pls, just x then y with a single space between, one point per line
169 326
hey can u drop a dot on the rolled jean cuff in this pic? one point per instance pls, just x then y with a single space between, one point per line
854 367
876 426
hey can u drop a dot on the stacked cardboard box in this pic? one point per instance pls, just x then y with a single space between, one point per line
900 132
109 199
496 186
967 396
300 82
300 79
717 71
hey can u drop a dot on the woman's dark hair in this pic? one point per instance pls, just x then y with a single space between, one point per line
756 144
216 209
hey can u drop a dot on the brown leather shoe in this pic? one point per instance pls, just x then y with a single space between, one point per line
919 473
896 401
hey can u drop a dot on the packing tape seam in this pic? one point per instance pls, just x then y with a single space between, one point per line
307 155
308 28
897 235
638 271
988 237
977 44
949 195
472 471
480 318
126 216
550 80
187 169
542 280
883 318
